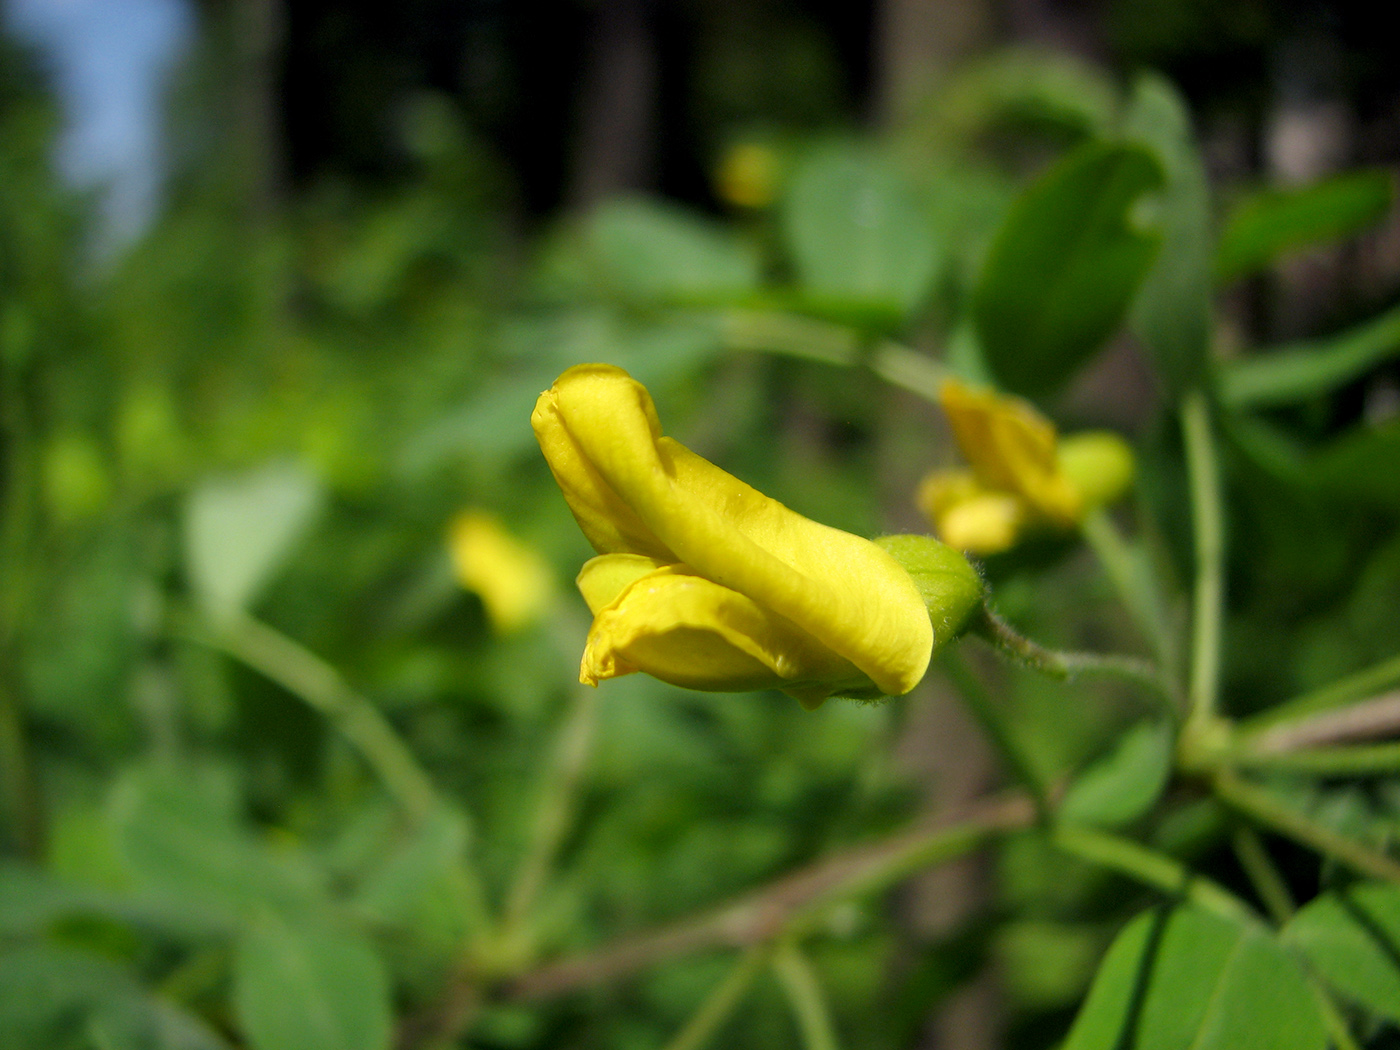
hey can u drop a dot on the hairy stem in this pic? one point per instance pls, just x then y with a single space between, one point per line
1136 586
1068 665
975 696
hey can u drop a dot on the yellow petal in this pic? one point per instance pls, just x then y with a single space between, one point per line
514 582
691 632
1011 448
634 491
987 523
603 578
1099 464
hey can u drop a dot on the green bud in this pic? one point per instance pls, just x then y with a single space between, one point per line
951 588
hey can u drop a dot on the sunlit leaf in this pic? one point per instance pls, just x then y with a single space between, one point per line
310 988
857 234
239 530
1181 979
652 250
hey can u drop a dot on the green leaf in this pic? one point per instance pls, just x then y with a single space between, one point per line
1047 87
239 530
1352 937
425 890
1311 368
179 837
858 237
1065 265
1171 314
58 998
1273 222
309 988
654 251
1124 784
1181 979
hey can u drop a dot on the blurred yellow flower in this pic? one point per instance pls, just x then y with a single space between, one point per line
748 175
704 582
515 584
1022 476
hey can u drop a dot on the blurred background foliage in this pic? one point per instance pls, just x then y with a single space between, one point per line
273 778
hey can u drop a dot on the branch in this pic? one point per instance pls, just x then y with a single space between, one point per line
1367 720
765 913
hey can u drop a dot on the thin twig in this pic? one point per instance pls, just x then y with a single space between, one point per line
1367 720
1263 874
765 913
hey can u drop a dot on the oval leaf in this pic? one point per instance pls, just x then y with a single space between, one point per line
1123 785
238 530
857 234
1181 979
654 251
1352 937
1171 314
309 988
1065 265
1273 222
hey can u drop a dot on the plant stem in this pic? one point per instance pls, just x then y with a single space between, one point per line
804 993
304 674
722 1002
1068 665
1257 803
909 370
1326 761
1208 529
781 906
975 696
556 806
1151 868
1136 586
1348 690
1263 874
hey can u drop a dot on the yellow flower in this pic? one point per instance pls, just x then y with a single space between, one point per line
704 582
1023 477
514 582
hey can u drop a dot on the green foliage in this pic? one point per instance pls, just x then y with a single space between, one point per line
269 779
1181 978
1065 265
859 242
1271 223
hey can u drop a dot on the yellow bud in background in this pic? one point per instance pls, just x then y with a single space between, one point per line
968 516
748 175
515 584
1099 464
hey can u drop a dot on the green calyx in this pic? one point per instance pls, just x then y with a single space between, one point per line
951 588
